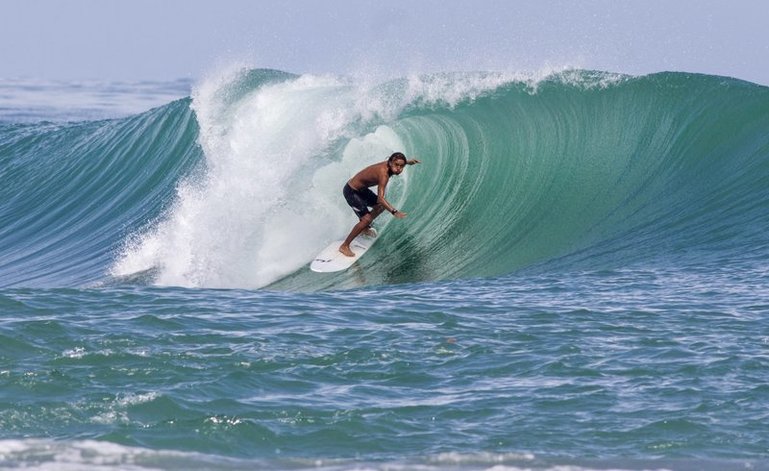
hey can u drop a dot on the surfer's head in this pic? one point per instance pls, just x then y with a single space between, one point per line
395 163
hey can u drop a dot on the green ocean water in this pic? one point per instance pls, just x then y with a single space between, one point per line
580 283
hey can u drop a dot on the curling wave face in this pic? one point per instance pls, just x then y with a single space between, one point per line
239 186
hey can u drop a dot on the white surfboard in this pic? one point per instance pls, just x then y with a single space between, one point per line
331 259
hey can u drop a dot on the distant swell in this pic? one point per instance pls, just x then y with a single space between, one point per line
240 186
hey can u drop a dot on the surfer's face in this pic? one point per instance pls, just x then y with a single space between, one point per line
396 166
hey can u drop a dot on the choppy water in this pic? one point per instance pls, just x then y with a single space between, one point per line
580 283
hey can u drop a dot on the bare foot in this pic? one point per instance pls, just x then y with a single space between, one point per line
346 251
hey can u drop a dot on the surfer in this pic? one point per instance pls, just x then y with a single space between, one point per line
360 197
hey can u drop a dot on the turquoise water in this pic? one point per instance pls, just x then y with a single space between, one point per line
581 281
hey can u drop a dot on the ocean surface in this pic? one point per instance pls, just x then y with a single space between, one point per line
581 283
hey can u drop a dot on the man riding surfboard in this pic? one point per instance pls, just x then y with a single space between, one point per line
361 198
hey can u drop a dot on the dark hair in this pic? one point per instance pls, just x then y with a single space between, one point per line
396 156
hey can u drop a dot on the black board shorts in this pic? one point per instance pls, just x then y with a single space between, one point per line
359 200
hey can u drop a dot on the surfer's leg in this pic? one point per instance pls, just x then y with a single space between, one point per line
360 201
375 211
364 223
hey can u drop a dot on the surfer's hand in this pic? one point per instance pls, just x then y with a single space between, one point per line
413 161
399 214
